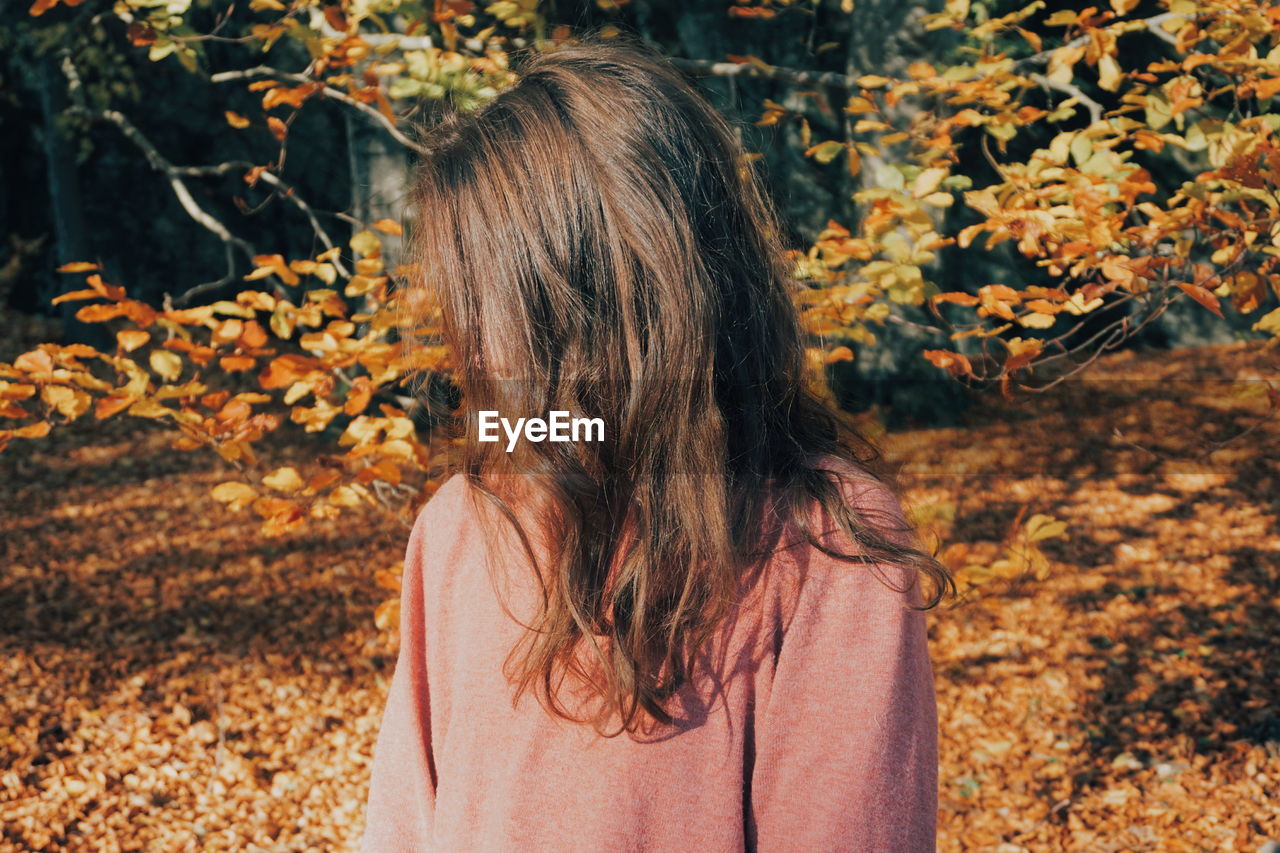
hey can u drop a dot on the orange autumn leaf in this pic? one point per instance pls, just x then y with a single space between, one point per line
1205 297
234 411
140 34
36 430
110 291
39 7
359 396
838 354
74 295
234 363
215 399
290 96
253 336
953 362
99 313
957 297
284 370
322 481
112 404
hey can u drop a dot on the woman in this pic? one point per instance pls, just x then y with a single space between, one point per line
702 629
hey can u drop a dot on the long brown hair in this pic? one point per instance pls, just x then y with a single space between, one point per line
598 244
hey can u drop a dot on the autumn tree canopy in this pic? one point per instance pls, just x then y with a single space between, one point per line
1028 189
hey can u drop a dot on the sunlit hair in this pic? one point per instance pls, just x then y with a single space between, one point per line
597 243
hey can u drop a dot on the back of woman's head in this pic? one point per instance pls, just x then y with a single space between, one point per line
598 244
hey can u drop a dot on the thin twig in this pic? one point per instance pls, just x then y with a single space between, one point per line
286 191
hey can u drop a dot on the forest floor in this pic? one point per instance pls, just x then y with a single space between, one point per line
176 681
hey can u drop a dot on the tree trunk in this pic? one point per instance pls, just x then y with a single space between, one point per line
70 243
379 180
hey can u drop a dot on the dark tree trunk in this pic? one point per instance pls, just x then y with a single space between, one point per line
70 243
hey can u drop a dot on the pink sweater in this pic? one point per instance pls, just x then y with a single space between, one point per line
823 735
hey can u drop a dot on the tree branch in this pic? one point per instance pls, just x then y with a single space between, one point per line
327 91
1095 108
383 39
769 72
157 161
173 175
286 191
1151 24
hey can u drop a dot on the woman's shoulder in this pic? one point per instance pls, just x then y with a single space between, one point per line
804 572
868 496
446 504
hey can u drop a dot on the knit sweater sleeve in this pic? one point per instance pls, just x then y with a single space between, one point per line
402 782
846 738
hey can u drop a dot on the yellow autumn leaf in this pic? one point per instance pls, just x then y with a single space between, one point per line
147 408
825 152
387 614
873 81
858 105
1077 305
927 181
344 496
1270 323
1041 526
130 339
389 578
1109 73
284 479
235 494
71 403
366 243
326 273
167 364
1036 320
359 285
232 491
